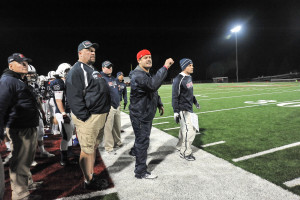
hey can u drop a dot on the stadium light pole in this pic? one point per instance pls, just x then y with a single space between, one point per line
235 30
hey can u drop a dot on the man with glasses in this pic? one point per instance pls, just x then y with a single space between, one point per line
19 115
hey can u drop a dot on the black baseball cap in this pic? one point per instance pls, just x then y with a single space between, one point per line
87 44
18 57
107 64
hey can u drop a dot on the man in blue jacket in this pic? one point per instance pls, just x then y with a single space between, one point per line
122 88
19 115
112 129
144 100
89 99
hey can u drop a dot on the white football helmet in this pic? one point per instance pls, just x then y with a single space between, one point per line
63 69
51 75
31 75
41 80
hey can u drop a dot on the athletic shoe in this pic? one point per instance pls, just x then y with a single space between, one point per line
34 163
7 158
46 154
35 185
32 197
110 153
132 153
148 175
189 157
96 184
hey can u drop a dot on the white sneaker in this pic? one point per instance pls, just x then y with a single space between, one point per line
46 154
34 163
148 175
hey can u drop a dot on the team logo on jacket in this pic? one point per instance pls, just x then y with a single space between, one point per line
189 85
96 75
56 87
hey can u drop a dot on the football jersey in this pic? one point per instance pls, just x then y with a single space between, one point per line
58 85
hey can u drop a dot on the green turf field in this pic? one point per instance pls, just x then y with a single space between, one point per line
250 118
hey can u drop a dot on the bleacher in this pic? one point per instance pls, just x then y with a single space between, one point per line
289 77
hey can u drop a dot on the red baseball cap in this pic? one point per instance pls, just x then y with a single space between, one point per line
142 53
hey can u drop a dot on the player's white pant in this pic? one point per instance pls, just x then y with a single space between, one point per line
187 133
66 131
52 107
45 106
40 130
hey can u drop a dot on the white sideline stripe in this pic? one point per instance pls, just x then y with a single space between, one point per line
212 144
160 123
292 183
246 95
171 128
266 152
89 195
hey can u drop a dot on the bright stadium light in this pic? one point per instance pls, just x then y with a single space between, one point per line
235 30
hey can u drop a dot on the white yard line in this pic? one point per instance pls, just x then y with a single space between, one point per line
160 123
212 144
292 183
246 95
90 195
266 152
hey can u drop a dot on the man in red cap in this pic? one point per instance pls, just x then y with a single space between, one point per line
144 100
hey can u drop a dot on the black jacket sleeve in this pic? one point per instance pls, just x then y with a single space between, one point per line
175 94
125 95
152 84
75 88
6 99
159 102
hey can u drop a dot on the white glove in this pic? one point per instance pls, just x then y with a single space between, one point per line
176 117
197 105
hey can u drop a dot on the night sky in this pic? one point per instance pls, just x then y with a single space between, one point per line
50 31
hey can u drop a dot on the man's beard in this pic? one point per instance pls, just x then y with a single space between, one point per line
91 62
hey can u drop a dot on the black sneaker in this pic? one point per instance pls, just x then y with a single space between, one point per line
96 184
148 175
132 153
189 157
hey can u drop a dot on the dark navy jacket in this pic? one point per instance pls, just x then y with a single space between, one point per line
59 85
113 89
122 90
18 105
182 93
144 98
87 91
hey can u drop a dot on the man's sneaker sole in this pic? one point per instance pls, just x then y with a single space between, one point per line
188 158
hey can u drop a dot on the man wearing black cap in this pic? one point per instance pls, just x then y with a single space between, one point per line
19 115
122 88
89 99
112 129
182 101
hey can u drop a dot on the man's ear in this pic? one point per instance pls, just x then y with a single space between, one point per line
10 66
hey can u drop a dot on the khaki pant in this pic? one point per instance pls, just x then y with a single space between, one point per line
112 129
23 146
90 132
187 133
